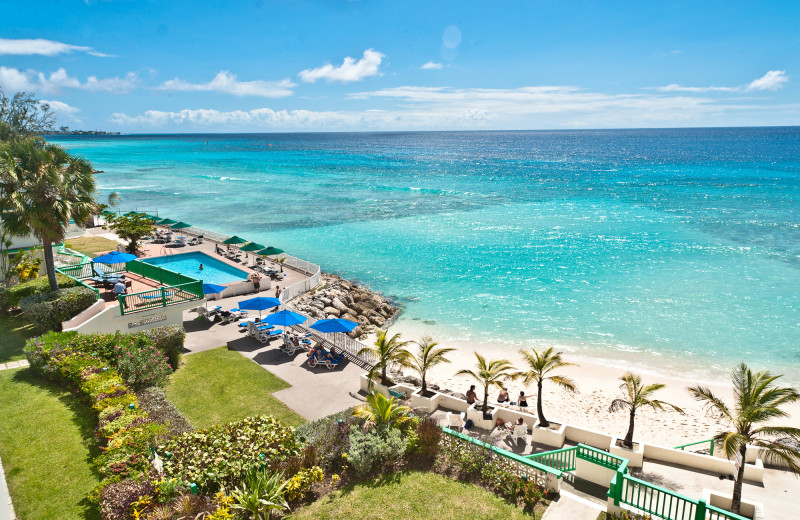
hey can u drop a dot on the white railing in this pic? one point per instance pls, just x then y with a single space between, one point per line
343 343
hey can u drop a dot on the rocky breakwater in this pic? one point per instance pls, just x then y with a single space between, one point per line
339 298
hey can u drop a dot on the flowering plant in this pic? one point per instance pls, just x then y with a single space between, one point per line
142 367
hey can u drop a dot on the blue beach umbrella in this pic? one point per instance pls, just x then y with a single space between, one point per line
259 304
284 318
212 288
114 257
334 325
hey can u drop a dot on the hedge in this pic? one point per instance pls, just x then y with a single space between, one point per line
12 296
47 310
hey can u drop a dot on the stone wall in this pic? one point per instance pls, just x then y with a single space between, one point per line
339 298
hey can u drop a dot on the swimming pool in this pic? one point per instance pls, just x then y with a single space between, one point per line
214 271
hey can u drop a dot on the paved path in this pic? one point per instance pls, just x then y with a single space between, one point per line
6 508
14 364
572 507
315 392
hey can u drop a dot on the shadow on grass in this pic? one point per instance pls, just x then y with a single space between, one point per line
81 415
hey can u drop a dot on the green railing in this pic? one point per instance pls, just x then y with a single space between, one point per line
71 271
563 459
160 297
159 274
524 467
78 271
709 441
65 251
660 502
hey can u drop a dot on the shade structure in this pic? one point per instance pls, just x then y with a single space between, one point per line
154 218
180 225
107 213
269 251
167 222
252 246
259 303
212 288
131 213
284 318
234 240
334 325
114 257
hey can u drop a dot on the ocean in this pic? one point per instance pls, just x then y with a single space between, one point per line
676 250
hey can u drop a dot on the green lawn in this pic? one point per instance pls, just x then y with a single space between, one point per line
46 442
219 386
14 331
411 495
91 246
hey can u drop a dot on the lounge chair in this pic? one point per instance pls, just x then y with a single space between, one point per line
265 336
315 360
455 421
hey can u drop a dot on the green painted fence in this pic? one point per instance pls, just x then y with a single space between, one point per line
159 274
75 272
160 297
563 459
709 441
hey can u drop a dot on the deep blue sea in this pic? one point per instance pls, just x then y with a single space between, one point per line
675 249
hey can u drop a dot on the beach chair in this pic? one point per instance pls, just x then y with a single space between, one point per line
455 421
520 431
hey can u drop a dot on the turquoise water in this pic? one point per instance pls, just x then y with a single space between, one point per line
675 249
214 271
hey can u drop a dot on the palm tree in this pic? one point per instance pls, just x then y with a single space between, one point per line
756 400
540 365
389 352
42 188
490 373
380 410
428 356
637 396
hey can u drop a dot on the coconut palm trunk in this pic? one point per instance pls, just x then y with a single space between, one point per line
736 501
539 410
629 436
49 263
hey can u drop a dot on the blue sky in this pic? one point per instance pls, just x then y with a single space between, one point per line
262 66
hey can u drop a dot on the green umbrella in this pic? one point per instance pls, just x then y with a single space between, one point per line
269 251
167 222
153 218
252 246
107 213
180 225
234 240
131 213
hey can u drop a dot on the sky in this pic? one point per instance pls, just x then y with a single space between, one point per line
138 66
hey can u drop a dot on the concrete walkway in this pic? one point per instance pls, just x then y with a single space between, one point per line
6 508
14 364
315 392
572 507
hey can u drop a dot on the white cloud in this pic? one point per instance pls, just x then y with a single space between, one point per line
226 82
62 110
350 70
43 47
16 80
431 65
772 80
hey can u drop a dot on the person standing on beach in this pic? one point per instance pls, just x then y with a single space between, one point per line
471 396
278 291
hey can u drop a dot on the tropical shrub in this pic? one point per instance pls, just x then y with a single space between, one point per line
330 437
168 340
142 367
260 493
215 458
117 499
424 444
300 484
47 310
14 295
378 446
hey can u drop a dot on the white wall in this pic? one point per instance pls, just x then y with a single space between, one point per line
589 437
592 472
95 309
111 320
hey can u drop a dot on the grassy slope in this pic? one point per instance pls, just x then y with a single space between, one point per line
14 331
91 246
411 495
219 386
46 443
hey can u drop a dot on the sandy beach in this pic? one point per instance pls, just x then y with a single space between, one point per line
598 385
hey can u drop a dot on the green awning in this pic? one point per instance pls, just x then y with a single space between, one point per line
269 251
234 240
167 222
181 225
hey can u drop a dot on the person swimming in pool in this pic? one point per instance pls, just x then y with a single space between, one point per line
201 267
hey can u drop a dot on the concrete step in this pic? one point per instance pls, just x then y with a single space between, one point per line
572 507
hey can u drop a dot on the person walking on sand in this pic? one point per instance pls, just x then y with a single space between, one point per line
278 291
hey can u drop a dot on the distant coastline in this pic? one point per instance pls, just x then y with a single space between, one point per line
79 132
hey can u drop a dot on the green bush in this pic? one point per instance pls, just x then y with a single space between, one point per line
16 294
47 310
375 447
142 367
168 340
215 458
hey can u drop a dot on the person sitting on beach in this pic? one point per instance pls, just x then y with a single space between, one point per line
471 395
503 396
511 426
522 399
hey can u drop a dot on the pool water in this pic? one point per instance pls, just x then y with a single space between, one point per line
214 271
